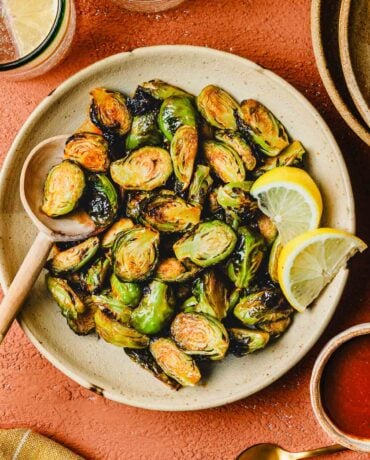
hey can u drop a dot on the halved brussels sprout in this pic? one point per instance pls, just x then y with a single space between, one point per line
162 90
128 293
155 310
142 102
261 307
224 161
112 307
169 213
218 107
276 328
242 267
189 304
102 200
200 334
207 244
214 206
110 235
88 150
135 253
235 196
74 258
290 156
267 228
211 295
88 126
264 129
202 181
273 260
246 341
176 111
184 148
235 141
144 169
84 323
171 270
108 111
146 361
144 131
92 279
118 334
133 204
63 188
174 362
68 301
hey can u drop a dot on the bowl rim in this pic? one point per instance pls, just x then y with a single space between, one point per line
68 84
339 436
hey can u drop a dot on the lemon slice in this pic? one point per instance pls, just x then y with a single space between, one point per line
274 258
311 260
29 22
290 198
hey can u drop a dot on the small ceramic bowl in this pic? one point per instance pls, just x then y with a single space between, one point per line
340 437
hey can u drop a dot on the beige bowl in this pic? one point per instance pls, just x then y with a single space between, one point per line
354 443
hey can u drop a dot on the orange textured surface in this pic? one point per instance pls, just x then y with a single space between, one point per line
275 34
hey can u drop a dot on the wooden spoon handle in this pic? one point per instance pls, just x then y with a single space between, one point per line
320 451
23 281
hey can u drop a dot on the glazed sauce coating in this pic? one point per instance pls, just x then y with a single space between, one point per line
345 387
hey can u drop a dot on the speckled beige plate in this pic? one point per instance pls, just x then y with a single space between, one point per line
105 368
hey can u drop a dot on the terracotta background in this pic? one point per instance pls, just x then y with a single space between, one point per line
275 34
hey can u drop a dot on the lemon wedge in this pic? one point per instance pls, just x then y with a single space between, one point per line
290 197
310 261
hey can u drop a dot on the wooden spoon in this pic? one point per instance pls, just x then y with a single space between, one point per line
274 452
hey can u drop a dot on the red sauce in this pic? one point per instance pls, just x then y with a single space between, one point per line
345 387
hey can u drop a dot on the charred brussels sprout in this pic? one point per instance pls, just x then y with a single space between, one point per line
235 141
207 244
276 328
102 203
246 341
144 131
218 107
200 185
112 307
128 293
211 295
135 254
162 90
92 279
118 334
200 334
290 156
155 309
273 259
174 362
108 111
74 258
63 188
144 169
110 235
184 147
68 301
134 201
224 161
264 129
176 111
235 196
169 213
88 150
84 323
246 260
171 270
267 229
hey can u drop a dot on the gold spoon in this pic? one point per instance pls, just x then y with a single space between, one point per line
274 452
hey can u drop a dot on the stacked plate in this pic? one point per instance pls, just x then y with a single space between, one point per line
340 38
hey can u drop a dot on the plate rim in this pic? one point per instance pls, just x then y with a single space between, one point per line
68 84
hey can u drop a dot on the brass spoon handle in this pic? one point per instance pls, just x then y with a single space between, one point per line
321 451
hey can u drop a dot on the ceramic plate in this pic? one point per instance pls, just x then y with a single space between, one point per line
105 368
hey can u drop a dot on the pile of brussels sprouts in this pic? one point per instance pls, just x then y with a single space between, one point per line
182 267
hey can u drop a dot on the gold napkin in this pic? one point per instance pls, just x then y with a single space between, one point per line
23 444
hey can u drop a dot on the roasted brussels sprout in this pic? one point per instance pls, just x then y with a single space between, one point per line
224 161
213 205
112 307
176 111
174 362
218 107
162 90
242 267
74 258
267 228
127 293
92 279
119 226
142 102
68 301
135 253
134 200
273 259
88 150
189 304
200 334
144 169
264 129
155 310
108 111
102 203
84 323
235 196
144 131
200 185
246 341
184 147
261 307
211 295
118 334
290 156
63 188
171 270
207 244
276 328
169 213
235 141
